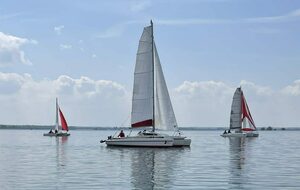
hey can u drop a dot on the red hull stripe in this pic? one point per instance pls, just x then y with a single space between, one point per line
142 123
248 129
64 125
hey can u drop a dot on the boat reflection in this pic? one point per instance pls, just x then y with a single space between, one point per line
152 168
61 158
240 150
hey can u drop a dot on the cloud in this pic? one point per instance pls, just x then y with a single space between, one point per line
292 90
84 101
138 6
293 15
207 103
10 16
287 17
89 102
113 31
58 29
10 50
65 46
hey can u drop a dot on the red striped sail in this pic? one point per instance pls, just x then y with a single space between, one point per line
64 125
246 114
145 123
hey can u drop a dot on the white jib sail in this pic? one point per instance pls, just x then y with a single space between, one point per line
142 98
164 113
235 114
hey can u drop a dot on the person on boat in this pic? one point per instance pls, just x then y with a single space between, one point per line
56 131
229 131
121 134
50 131
225 132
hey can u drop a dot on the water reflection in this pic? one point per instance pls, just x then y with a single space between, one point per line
239 149
154 168
61 158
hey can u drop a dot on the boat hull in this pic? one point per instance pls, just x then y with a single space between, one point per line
240 135
56 134
140 142
181 141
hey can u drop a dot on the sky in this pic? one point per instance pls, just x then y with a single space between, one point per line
83 52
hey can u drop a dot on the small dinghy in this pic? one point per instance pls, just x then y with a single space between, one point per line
60 130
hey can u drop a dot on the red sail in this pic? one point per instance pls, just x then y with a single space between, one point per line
246 114
145 123
64 125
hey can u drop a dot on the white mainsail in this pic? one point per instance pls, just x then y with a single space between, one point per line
164 113
142 99
235 114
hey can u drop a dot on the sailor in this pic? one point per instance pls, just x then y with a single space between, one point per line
56 130
121 134
229 131
50 131
225 132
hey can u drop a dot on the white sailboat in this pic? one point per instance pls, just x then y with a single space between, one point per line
241 121
151 104
60 130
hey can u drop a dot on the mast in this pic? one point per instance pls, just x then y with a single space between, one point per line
153 108
56 116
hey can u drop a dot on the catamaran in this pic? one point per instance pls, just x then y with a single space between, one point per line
60 130
151 103
241 121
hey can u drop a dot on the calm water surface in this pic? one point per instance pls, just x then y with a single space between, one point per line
30 161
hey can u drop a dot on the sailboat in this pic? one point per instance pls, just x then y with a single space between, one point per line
60 130
241 121
151 103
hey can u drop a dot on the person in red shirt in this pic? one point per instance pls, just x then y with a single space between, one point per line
121 134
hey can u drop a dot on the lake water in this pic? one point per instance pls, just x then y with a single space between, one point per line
28 160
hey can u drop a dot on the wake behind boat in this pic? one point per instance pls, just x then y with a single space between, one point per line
241 121
60 130
151 103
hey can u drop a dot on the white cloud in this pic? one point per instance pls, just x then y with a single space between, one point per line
89 102
138 6
113 31
10 50
287 17
58 29
293 90
84 101
207 104
295 14
94 56
65 46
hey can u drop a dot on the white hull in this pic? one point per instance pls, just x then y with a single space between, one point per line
181 141
56 134
141 141
240 135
